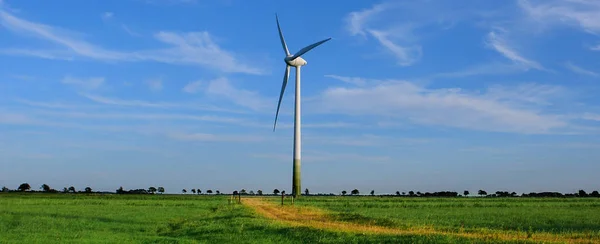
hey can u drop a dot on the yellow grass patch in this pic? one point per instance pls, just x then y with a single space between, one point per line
319 219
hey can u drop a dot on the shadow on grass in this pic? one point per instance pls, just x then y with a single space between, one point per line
16 216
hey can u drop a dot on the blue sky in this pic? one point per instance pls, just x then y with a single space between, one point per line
421 95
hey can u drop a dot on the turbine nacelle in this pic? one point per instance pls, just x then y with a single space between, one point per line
295 62
291 60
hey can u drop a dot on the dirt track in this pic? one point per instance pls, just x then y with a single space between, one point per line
319 219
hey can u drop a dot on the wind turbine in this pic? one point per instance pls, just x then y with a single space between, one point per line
294 61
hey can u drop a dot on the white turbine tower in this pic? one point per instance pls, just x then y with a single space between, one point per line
297 62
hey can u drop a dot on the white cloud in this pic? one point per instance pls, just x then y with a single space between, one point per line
358 19
129 31
107 15
91 83
580 70
245 98
483 69
351 80
493 110
590 116
142 116
193 48
193 87
8 118
155 84
196 48
406 55
54 105
580 13
359 23
156 105
526 94
596 48
498 43
205 137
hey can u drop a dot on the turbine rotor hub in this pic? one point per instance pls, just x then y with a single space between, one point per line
299 61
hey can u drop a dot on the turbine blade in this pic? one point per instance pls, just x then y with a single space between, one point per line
285 48
308 48
286 76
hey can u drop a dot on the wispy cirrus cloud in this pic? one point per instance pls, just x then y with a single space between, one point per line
360 23
192 48
222 87
548 14
350 80
208 137
107 16
155 85
91 83
496 41
582 14
157 105
497 109
192 87
110 18
580 70
142 116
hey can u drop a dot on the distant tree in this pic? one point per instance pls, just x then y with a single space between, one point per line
243 191
198 191
397 193
344 192
372 192
193 190
403 193
235 192
5 189
582 193
45 188
411 193
306 192
482 193
24 187
152 189
161 190
419 193
251 192
465 193
184 191
275 192
88 190
513 194
218 192
120 190
209 191
354 192
65 190
595 194
72 189
259 192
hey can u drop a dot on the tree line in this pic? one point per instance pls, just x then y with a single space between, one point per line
25 187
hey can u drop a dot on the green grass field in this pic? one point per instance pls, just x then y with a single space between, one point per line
562 216
79 218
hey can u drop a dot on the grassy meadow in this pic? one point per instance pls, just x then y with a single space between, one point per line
95 218
561 216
